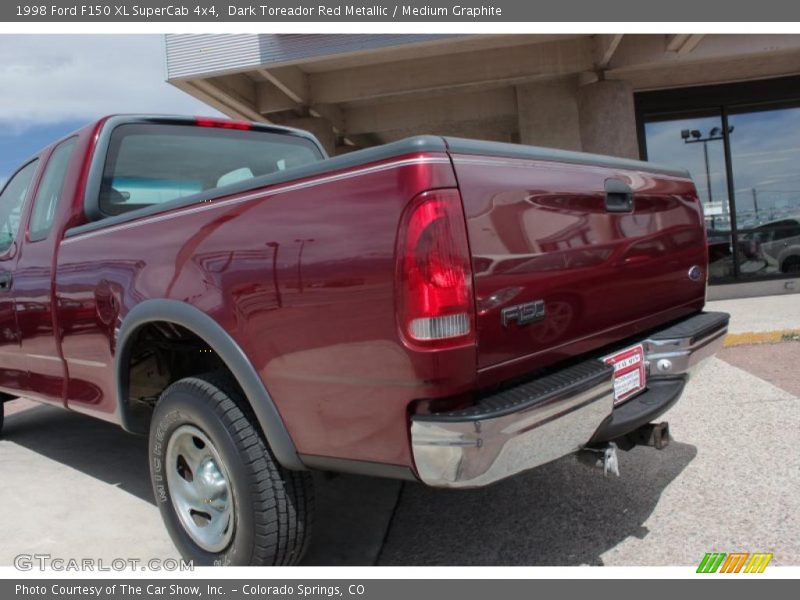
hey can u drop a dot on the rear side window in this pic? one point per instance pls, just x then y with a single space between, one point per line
151 164
777 230
786 229
46 201
12 200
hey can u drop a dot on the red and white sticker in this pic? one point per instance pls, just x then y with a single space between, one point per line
629 373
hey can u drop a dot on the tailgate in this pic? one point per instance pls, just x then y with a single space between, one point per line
572 252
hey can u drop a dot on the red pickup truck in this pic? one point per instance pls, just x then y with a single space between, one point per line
441 310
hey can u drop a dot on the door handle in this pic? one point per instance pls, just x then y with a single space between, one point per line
5 282
619 196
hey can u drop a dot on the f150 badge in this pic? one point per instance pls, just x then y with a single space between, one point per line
523 314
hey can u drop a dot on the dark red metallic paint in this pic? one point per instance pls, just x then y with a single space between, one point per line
37 352
321 331
540 231
302 277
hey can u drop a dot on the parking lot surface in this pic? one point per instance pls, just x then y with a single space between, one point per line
730 481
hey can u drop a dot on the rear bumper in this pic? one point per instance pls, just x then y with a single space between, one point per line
539 421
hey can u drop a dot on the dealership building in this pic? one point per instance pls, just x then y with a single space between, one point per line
727 107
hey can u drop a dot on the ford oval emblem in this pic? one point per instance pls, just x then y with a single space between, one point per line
695 273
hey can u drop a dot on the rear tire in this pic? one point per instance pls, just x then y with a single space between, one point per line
223 497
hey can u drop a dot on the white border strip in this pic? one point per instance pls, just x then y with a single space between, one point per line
303 574
480 27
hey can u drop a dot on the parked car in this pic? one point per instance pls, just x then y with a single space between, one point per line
779 244
440 310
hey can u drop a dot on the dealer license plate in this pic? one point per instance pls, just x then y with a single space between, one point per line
630 376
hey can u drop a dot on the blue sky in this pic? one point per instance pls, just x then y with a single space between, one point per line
53 84
17 145
765 151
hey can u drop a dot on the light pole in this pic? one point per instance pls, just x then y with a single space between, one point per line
302 243
755 204
693 136
275 246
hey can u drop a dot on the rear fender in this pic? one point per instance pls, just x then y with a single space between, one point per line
206 328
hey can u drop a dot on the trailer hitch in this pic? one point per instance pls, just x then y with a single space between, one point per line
604 457
655 435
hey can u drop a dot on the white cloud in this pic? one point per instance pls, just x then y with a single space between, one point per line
52 78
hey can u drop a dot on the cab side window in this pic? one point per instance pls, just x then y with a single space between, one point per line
12 199
46 201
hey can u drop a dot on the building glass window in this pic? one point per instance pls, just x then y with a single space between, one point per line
695 143
765 150
741 144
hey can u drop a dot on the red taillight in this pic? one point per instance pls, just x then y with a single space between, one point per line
434 276
222 123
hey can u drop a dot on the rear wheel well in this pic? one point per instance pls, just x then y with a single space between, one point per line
193 330
791 264
159 354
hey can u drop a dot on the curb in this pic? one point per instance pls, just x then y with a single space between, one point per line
761 337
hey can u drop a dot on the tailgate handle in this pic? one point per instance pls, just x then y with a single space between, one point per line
619 196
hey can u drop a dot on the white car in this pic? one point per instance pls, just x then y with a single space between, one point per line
779 242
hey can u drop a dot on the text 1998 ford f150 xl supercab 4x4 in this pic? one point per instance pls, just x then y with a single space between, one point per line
436 309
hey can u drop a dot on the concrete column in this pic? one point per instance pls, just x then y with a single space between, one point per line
608 119
548 114
321 128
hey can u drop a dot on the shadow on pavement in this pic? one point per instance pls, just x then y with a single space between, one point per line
352 518
560 514
353 513
563 513
98 449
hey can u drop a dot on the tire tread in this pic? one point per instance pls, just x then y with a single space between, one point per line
283 498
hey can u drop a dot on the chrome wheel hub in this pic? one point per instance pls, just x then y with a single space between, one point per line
200 489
